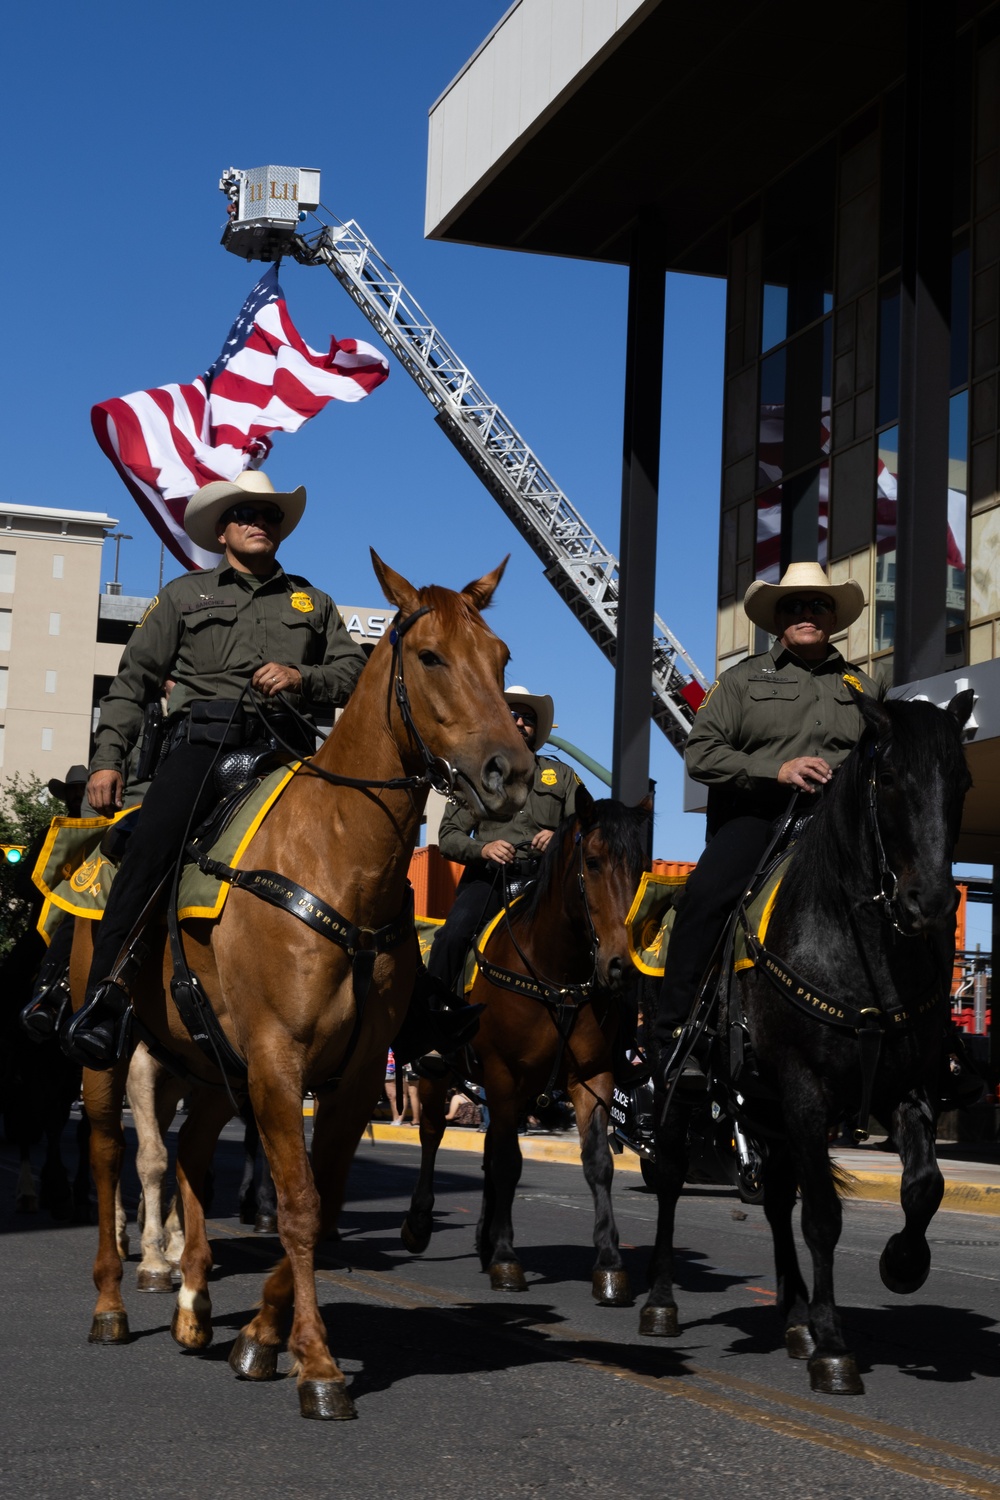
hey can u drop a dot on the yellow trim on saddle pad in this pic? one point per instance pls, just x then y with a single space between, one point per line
759 911
191 900
650 918
427 929
471 967
70 871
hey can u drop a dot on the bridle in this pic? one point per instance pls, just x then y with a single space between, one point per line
438 774
886 897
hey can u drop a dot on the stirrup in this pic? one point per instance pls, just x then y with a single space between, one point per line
43 1016
97 1035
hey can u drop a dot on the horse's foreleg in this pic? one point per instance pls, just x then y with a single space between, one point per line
277 1103
658 1318
832 1367
792 1293
103 1094
208 1111
26 1197
592 1103
419 1221
906 1259
503 1151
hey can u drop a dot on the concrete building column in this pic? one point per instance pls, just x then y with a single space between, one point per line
640 499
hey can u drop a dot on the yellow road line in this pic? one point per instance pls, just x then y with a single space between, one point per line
396 1291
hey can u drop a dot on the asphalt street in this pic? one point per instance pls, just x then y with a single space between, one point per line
462 1392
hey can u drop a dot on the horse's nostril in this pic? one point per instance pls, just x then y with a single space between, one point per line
495 773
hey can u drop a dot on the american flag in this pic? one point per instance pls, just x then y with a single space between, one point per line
166 443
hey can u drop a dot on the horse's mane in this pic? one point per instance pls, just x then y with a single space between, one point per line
622 829
834 857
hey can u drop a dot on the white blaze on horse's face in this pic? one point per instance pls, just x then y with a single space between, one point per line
452 665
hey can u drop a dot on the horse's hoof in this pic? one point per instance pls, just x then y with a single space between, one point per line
659 1323
109 1328
799 1342
265 1224
27 1203
190 1331
901 1277
415 1243
507 1276
252 1360
154 1281
326 1401
611 1288
835 1375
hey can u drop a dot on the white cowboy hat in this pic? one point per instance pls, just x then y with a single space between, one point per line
208 505
543 707
761 599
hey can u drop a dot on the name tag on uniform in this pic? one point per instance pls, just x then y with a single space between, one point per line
208 601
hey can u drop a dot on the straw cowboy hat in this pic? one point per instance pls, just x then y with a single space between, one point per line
75 776
519 697
762 599
208 505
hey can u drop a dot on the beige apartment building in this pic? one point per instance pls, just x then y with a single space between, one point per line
50 651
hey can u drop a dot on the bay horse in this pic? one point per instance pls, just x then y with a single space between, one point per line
846 1010
303 1011
548 977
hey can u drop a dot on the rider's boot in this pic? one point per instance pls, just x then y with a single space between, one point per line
41 1016
432 1035
692 1076
95 1037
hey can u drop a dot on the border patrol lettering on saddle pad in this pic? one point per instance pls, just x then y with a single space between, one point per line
471 967
759 915
650 919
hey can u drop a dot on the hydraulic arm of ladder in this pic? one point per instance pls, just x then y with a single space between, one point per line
581 570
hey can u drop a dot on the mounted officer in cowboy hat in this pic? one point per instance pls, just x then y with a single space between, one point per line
214 632
772 724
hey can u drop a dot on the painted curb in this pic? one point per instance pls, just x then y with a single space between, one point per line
876 1187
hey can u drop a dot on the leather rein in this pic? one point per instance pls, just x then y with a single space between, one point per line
563 1002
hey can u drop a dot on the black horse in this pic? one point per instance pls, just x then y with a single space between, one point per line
846 1008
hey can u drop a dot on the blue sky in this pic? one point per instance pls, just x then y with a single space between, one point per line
120 119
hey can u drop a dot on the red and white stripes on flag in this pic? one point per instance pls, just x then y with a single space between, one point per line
166 443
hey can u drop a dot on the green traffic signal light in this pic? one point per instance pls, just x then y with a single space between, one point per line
13 853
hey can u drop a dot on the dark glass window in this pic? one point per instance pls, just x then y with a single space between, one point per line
885 541
958 485
891 206
771 441
888 352
959 312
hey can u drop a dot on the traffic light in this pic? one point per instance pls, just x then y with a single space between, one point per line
13 853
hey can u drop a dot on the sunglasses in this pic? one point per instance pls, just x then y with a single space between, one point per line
245 515
526 715
793 607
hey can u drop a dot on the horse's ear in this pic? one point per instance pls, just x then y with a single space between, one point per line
961 706
394 586
583 804
872 711
482 590
646 805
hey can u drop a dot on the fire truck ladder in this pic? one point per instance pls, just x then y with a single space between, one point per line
583 572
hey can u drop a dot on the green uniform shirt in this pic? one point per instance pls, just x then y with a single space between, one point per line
762 712
551 799
210 631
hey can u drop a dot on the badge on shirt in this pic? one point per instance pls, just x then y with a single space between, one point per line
148 611
549 778
853 682
302 603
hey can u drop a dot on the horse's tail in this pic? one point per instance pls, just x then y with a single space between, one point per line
843 1181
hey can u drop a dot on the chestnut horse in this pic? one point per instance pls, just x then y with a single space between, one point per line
548 975
304 1012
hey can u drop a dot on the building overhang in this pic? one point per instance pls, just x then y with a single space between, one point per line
570 119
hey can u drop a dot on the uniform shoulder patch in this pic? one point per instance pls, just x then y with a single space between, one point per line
549 777
708 695
854 682
302 602
148 611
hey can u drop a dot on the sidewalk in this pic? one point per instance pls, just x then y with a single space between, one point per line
971 1187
